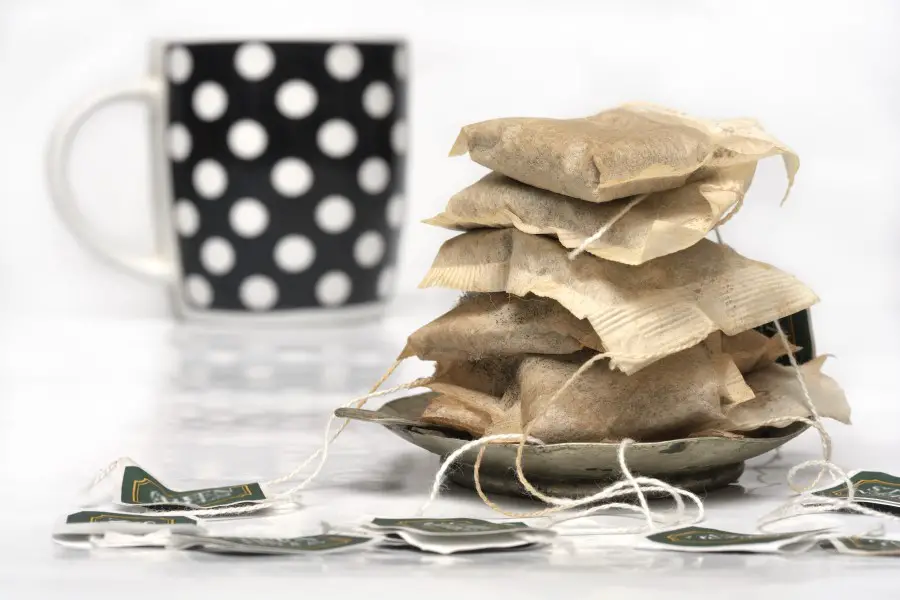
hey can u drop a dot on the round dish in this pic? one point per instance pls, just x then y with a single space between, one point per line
577 469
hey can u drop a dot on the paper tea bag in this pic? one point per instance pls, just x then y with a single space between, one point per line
668 400
641 313
632 149
662 223
471 393
500 324
779 396
752 350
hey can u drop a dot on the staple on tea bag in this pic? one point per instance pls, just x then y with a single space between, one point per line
500 324
629 150
778 396
641 313
662 223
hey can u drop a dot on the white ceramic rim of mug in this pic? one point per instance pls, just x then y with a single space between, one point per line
164 202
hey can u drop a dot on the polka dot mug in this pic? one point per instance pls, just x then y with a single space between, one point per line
277 178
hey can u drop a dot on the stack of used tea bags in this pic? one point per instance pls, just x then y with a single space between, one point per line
674 311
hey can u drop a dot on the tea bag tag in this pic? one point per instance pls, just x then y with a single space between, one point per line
141 489
703 539
79 528
862 546
874 489
453 535
311 544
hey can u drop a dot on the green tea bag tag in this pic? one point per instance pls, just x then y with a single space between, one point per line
873 489
313 544
449 536
140 488
861 546
80 527
703 539
460 527
452 544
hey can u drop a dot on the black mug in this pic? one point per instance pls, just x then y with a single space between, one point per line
277 178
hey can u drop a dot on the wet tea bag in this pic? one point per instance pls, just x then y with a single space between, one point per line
632 149
500 324
471 393
668 400
641 313
779 396
662 223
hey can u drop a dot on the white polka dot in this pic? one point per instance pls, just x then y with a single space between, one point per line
333 288
210 179
247 139
374 175
248 217
179 64
291 177
398 137
217 255
199 292
343 62
210 101
334 214
378 99
258 292
385 283
179 142
394 213
187 219
401 59
294 253
369 249
296 99
336 138
254 61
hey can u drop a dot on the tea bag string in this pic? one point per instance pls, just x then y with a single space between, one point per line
607 226
321 452
630 485
735 209
520 450
560 503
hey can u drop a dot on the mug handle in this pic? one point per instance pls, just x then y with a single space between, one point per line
155 266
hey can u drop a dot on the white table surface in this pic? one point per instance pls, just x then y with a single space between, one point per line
204 407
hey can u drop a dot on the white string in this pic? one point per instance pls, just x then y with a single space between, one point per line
457 454
631 485
285 496
606 227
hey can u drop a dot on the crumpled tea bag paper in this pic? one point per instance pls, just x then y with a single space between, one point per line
662 223
641 313
779 396
500 324
633 149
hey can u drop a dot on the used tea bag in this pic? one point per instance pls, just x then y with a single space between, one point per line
470 393
751 350
779 396
662 223
640 313
500 324
632 149
668 400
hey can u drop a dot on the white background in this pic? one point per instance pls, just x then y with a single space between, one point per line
823 76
